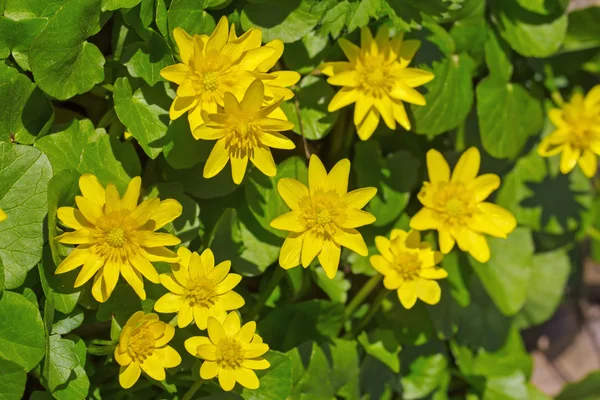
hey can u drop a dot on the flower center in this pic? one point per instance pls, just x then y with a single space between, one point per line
375 77
141 343
243 136
115 237
210 81
321 210
229 353
452 202
201 293
407 265
581 120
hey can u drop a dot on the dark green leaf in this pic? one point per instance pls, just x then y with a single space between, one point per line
586 389
12 380
146 59
17 34
108 5
181 149
197 186
498 56
382 345
186 14
583 31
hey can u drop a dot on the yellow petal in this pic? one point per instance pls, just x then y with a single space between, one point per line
155 239
335 67
433 273
588 162
246 332
206 132
283 79
220 272
568 159
499 216
153 367
262 158
276 140
185 316
122 357
446 241
312 245
181 105
209 370
437 167
215 330
384 106
228 283
360 197
408 49
400 114
167 281
256 363
549 146
337 179
168 303
141 214
272 124
253 98
556 117
350 49
429 291
401 91
217 159
226 379
355 218
90 267
329 258
467 167
231 301
480 222
129 375
369 124
74 260
168 332
342 98
383 246
111 273
232 324
191 344
72 217
393 281
366 39
247 378
253 58
92 189
207 352
424 219
81 236
167 211
317 175
219 36
90 209
134 279
184 44
592 99
289 255
380 264
347 78
484 185
170 358
132 194
351 239
195 113
414 77
159 254
361 109
254 350
292 192
238 167
207 259
291 221
175 73
407 293
277 46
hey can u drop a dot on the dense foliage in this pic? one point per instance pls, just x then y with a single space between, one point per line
270 134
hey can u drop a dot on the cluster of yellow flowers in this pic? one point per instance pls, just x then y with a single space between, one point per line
230 97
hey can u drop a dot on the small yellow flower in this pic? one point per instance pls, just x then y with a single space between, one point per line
577 134
244 131
323 217
409 267
231 352
3 215
143 347
116 236
377 79
455 206
199 290
214 65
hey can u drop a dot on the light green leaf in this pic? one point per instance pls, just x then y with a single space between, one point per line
508 114
313 96
336 288
186 14
583 31
361 12
24 176
145 113
22 334
382 345
498 56
544 7
509 387
449 97
62 361
507 275
146 59
26 112
275 382
287 21
64 324
528 33
16 35
109 5
12 380
78 385
586 389
424 370
546 287
62 61
309 369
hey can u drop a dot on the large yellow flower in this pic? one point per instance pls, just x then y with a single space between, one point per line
244 131
199 290
455 206
143 347
377 78
214 65
323 217
577 134
116 236
230 351
409 267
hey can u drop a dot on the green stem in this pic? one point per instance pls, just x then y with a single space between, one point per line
362 294
593 233
383 293
557 98
192 391
265 294
101 350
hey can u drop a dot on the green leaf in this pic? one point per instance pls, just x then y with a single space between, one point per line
146 59
197 186
65 143
336 288
181 149
508 114
506 276
410 327
509 387
498 56
360 12
17 34
546 287
470 34
26 112
313 96
262 196
275 382
120 305
586 389
78 385
311 320
545 7
12 380
145 113
583 31
287 21
109 5
309 370
22 334
528 33
382 345
64 324
449 97
394 176
62 361
24 176
62 61
427 370
186 14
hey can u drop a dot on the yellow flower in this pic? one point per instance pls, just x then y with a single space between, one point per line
3 215
231 352
409 267
323 217
214 65
116 236
143 347
577 133
199 290
456 208
377 79
244 131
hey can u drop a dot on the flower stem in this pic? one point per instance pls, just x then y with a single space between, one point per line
557 98
265 294
193 389
383 293
362 294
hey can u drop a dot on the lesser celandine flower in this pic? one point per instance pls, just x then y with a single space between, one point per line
116 236
143 347
244 131
324 217
377 78
198 289
217 64
455 206
577 134
409 267
230 352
